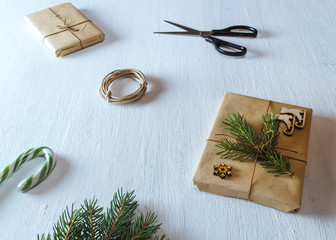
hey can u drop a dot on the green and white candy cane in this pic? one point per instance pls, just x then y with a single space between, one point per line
25 157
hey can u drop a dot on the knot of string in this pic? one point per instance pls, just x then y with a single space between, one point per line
134 74
65 27
258 148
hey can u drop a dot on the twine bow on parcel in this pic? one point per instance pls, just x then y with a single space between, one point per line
257 148
65 27
261 145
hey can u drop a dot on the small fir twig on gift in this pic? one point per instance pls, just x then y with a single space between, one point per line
250 145
119 222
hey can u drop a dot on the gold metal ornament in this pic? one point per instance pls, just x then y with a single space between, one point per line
222 170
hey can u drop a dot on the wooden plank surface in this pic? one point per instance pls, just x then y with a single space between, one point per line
154 145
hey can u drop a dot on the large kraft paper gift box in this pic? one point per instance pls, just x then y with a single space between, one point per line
64 29
283 192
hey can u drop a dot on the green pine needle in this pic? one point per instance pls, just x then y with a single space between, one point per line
120 213
68 225
241 130
142 227
275 161
118 223
43 237
92 219
235 151
248 143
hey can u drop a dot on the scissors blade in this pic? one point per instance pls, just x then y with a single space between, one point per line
176 33
193 31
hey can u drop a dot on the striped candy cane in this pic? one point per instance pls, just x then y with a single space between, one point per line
27 156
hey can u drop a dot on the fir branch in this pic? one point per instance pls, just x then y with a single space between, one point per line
160 238
275 161
67 228
120 214
248 144
43 237
92 219
235 151
241 130
143 227
118 223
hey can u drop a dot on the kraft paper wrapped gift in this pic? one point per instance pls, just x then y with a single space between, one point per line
283 192
64 29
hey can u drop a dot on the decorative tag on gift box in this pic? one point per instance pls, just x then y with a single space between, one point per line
64 29
271 170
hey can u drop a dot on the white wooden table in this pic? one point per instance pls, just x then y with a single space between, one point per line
154 145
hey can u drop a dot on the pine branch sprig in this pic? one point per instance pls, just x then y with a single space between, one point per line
68 226
44 237
143 227
235 151
240 130
118 222
247 144
120 214
92 219
275 161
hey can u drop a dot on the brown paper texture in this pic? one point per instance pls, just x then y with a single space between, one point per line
284 192
60 41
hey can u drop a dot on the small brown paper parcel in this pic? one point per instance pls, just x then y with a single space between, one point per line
283 192
64 29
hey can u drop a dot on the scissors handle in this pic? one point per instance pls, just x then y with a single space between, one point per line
226 48
236 31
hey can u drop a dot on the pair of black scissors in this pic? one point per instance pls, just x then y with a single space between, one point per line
221 46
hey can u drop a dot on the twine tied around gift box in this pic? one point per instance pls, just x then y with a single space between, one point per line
261 145
65 27
258 148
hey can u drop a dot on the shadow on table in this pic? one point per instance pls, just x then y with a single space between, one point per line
109 35
264 34
252 50
155 88
319 194
9 186
253 53
61 169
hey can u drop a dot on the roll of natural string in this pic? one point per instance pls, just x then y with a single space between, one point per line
120 74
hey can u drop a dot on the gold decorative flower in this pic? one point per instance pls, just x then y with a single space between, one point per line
222 170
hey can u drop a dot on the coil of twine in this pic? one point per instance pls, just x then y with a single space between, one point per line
134 74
